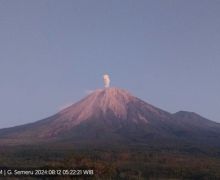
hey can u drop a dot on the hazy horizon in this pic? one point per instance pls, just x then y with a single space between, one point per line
53 53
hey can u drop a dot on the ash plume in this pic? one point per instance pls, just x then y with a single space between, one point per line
106 80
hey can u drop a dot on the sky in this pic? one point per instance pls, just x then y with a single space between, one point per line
54 52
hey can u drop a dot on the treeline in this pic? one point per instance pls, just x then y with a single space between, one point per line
111 164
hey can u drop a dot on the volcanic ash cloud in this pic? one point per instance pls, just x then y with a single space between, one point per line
106 80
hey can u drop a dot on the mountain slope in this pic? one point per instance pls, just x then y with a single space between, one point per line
114 116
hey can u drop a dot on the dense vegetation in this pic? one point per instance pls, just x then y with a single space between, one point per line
115 164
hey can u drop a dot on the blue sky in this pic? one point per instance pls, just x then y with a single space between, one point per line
53 52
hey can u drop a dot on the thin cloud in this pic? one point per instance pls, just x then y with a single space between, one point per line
89 91
64 106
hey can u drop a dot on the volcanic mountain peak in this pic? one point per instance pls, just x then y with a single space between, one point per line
114 99
113 115
100 101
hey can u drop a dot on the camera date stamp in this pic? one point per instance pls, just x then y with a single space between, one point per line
46 172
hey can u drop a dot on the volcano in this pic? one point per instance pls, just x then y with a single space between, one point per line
113 116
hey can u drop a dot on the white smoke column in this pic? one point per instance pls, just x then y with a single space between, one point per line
106 80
